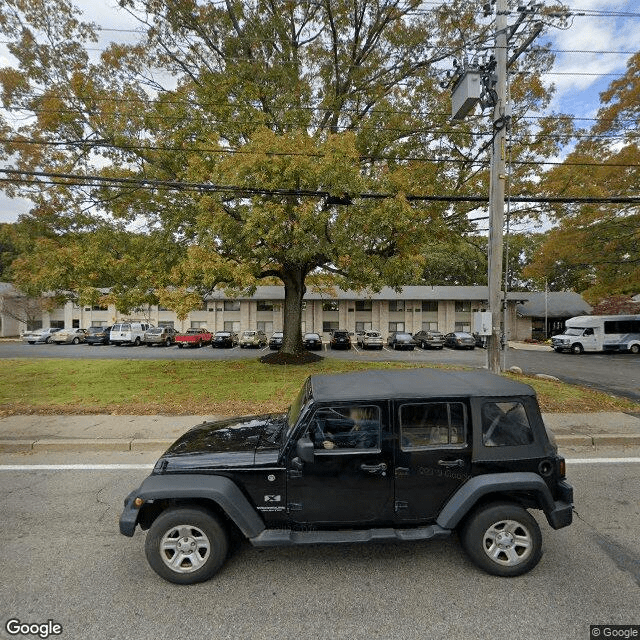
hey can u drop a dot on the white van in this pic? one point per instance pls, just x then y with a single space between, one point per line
129 333
599 333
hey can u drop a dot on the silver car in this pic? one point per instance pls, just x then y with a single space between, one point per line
161 336
69 336
41 336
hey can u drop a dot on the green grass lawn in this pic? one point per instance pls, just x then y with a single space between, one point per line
206 387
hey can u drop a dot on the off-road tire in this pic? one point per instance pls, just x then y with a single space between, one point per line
193 538
503 539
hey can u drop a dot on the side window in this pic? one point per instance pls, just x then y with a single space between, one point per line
505 424
346 427
429 424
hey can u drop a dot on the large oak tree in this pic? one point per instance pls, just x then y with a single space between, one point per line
239 141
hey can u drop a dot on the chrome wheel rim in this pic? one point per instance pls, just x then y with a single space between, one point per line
507 543
185 548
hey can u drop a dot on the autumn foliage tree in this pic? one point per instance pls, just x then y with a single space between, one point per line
268 139
595 248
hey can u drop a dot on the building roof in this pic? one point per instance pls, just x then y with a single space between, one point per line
413 383
386 293
554 304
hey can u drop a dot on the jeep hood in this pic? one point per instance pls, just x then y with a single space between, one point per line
232 436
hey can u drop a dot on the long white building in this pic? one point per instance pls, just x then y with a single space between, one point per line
413 308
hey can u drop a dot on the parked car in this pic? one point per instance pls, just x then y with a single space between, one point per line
224 339
429 339
98 335
370 340
275 341
312 341
160 336
253 339
195 337
460 340
340 340
39 336
413 455
129 333
69 336
401 340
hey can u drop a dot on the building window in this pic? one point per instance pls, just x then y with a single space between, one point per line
267 327
265 305
32 325
198 324
330 305
396 305
161 308
396 326
328 327
463 306
363 326
99 307
363 305
75 324
166 323
98 323
463 326
429 306
233 326
55 324
232 305
429 326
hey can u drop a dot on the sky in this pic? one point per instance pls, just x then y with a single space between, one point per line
590 53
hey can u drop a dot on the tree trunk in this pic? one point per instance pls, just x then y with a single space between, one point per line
294 290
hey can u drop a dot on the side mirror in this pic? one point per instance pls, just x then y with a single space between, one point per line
304 449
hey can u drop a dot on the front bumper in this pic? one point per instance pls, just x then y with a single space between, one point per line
129 517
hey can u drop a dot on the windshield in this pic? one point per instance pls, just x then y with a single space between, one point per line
372 334
302 399
248 334
574 331
153 331
222 334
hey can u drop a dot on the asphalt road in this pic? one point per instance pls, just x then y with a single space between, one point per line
615 373
64 560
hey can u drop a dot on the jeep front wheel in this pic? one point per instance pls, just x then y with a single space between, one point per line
502 539
186 545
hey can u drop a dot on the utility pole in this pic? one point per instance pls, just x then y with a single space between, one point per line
501 116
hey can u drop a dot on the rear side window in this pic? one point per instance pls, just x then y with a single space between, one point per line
505 424
429 424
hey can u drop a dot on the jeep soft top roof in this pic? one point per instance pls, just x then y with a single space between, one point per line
413 383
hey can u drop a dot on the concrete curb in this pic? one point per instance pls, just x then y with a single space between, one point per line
78 445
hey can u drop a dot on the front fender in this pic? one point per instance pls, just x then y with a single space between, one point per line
220 490
559 513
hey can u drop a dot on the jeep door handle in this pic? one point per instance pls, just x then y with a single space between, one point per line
451 463
374 468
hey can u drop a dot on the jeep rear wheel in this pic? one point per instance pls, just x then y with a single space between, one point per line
502 539
186 545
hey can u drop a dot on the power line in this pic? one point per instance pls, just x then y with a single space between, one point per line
70 179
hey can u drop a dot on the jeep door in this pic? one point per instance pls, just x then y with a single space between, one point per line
432 456
349 481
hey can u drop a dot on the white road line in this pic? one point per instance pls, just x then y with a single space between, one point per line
602 460
146 467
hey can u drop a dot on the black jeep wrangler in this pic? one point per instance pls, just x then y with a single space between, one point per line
373 456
